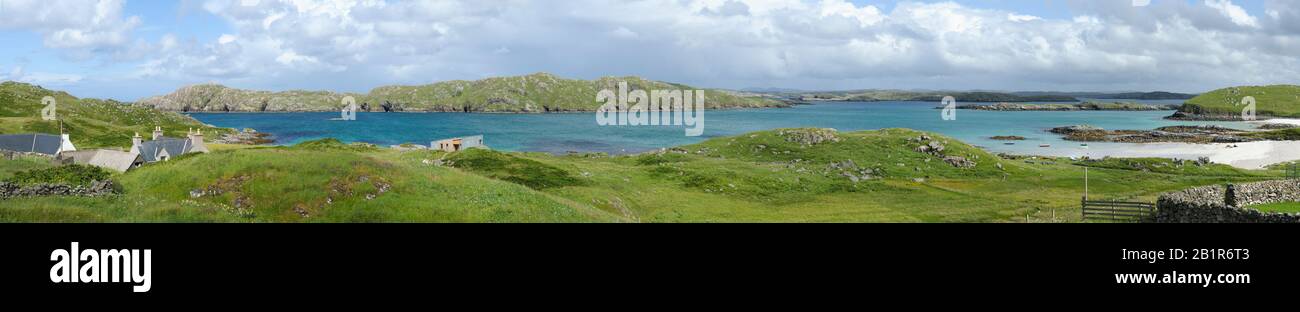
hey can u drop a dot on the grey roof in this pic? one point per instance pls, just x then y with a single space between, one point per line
174 147
47 144
108 159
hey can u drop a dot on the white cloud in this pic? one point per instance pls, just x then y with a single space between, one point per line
1237 14
1022 18
81 28
18 73
814 44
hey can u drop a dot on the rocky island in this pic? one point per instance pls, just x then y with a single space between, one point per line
1173 134
1085 106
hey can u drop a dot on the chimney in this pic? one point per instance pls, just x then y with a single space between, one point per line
136 141
157 133
196 142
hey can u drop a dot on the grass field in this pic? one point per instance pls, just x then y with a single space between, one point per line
1292 207
1270 101
786 175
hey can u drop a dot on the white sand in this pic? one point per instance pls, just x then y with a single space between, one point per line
1251 155
1276 121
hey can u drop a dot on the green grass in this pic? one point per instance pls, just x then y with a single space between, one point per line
766 176
1270 101
505 167
1291 207
92 123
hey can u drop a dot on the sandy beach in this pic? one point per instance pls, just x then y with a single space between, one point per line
1251 155
1288 121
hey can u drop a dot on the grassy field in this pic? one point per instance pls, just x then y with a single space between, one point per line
785 175
1292 207
93 123
1270 101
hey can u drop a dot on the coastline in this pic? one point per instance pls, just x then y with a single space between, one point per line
1248 155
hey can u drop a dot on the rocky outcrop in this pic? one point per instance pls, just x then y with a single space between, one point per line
94 189
245 137
1278 126
850 170
1224 203
1182 134
936 149
809 136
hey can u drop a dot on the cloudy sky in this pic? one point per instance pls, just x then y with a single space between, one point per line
127 50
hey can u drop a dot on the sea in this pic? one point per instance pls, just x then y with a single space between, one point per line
579 132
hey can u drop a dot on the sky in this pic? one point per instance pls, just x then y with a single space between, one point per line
129 50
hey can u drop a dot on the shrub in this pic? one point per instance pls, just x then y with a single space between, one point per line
69 174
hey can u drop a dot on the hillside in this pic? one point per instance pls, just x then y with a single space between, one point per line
1224 104
91 122
536 93
783 175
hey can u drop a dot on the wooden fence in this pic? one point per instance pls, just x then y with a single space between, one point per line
1118 211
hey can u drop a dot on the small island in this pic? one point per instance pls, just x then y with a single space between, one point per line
1174 134
1085 106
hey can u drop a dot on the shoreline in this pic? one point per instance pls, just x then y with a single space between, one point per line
1247 155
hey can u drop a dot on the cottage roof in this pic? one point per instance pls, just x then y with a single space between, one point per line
41 143
109 159
150 150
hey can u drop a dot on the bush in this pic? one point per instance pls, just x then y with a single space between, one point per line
70 174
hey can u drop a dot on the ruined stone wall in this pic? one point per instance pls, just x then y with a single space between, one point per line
95 189
1210 204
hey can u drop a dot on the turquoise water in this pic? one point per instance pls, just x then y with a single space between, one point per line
558 133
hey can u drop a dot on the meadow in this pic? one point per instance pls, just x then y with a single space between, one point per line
1270 101
783 175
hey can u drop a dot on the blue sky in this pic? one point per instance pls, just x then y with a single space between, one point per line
128 50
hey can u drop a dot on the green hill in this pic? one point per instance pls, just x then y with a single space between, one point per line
1270 101
783 175
91 122
536 93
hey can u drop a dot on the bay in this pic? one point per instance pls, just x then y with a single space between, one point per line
578 132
